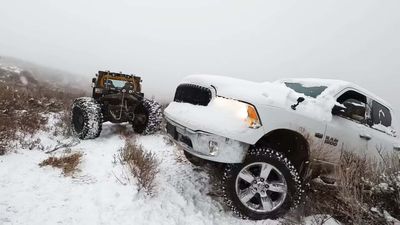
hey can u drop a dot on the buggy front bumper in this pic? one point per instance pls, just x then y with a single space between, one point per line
206 145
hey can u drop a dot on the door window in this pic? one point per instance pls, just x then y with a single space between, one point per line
381 118
355 106
381 115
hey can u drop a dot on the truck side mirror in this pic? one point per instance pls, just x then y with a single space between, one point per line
299 100
338 110
94 80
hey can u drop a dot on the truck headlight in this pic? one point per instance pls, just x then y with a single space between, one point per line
239 110
250 116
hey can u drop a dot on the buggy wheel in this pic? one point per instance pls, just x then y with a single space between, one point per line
148 117
86 118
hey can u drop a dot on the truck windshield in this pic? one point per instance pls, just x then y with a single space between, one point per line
310 91
118 84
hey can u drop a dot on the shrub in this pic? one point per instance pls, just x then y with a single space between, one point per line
23 111
68 163
141 164
63 126
366 191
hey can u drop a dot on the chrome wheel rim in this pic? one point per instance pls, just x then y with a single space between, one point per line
261 187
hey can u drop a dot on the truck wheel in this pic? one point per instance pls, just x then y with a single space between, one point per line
86 118
265 186
148 117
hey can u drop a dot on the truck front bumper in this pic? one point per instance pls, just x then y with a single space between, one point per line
206 145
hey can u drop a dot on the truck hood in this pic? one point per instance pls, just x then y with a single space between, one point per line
265 94
243 90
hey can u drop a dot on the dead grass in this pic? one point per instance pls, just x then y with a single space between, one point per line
365 192
24 110
68 163
177 151
142 165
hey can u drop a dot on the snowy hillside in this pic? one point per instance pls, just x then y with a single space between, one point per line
16 76
12 68
101 193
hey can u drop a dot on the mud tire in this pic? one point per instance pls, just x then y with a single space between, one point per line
86 121
148 117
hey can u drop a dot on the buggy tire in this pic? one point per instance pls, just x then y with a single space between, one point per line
86 118
253 193
148 117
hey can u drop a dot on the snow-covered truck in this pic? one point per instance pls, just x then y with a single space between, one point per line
269 135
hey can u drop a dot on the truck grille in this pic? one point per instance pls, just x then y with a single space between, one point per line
193 94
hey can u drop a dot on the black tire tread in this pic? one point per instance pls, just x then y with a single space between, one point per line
153 109
93 118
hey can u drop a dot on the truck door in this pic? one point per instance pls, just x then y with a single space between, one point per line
346 131
383 142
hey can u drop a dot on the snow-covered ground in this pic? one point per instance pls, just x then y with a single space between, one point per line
100 192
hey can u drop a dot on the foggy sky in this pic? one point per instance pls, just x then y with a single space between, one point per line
163 41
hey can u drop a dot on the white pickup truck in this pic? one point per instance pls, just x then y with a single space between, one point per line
265 133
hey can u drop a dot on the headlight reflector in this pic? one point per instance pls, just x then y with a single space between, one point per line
252 117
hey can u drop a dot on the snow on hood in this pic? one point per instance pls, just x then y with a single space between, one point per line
275 94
